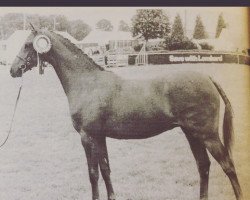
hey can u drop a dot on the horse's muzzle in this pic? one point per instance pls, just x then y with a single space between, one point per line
15 74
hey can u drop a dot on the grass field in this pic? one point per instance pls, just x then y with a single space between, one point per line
44 160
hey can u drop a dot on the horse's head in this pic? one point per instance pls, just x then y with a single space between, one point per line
36 44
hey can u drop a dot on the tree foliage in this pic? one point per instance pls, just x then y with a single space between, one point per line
150 23
10 22
34 19
79 29
14 21
104 25
123 26
177 40
46 22
177 30
185 44
62 23
199 29
220 25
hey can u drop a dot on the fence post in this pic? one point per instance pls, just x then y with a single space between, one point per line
142 57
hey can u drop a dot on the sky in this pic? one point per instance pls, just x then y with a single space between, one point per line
91 15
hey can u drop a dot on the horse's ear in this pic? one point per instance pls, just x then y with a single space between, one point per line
33 28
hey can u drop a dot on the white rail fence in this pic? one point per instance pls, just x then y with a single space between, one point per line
142 57
117 60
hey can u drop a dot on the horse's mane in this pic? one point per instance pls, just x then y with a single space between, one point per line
72 47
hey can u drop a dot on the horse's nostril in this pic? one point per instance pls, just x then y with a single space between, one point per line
12 73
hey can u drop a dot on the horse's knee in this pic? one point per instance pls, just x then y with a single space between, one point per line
86 140
204 165
204 168
105 169
105 173
104 165
93 176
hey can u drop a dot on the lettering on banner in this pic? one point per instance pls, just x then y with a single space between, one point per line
196 58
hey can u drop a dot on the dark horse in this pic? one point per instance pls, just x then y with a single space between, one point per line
102 104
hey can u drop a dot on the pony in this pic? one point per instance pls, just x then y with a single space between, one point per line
102 105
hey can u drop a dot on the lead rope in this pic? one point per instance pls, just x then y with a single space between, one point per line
12 119
39 65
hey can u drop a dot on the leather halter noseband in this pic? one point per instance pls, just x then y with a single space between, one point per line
26 63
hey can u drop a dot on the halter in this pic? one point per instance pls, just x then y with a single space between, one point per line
42 45
26 63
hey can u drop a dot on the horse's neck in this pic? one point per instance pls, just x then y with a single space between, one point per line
70 66
76 70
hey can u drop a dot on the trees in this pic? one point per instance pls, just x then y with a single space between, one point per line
220 25
79 29
177 29
104 25
46 22
62 23
123 26
15 21
199 29
150 23
11 22
177 40
34 19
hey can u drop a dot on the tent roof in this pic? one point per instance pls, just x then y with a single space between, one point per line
227 41
18 37
103 37
14 43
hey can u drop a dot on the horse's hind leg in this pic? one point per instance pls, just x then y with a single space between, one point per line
105 169
221 155
203 163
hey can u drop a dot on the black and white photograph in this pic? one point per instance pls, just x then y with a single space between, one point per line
124 103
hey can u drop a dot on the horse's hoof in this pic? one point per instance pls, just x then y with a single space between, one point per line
112 197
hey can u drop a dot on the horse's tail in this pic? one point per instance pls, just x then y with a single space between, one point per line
228 132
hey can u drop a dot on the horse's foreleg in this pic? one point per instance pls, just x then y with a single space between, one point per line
105 168
218 151
202 161
91 149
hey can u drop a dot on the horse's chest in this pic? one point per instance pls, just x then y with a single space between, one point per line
88 112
